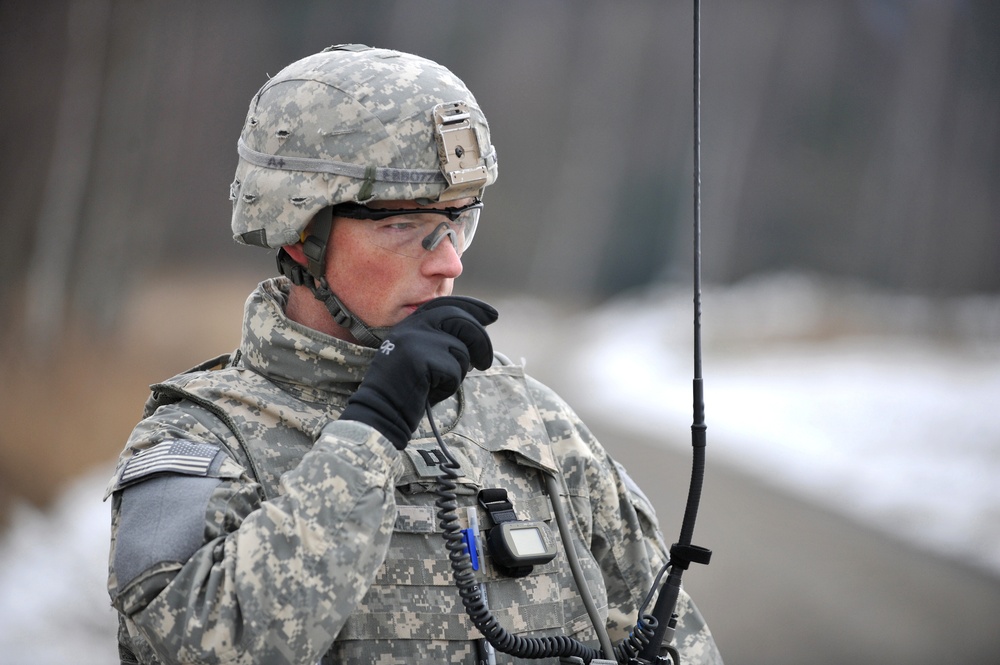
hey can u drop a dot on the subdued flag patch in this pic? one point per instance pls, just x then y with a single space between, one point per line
193 459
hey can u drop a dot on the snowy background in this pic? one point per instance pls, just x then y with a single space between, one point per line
885 408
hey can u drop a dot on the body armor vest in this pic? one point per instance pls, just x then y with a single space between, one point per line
412 607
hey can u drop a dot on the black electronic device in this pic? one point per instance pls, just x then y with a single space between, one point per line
515 545
521 544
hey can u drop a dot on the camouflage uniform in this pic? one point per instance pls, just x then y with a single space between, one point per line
250 525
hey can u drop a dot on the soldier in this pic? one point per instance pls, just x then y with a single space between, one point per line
277 504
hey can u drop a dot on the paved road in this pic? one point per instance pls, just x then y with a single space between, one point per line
793 584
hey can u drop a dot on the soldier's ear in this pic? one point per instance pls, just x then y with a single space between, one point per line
296 252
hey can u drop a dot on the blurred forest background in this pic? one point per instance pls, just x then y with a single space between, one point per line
853 138
854 141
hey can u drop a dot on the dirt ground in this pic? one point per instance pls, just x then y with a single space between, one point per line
73 407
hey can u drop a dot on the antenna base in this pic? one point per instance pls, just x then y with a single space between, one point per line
683 556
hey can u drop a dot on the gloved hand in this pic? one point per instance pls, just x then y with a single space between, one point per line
424 358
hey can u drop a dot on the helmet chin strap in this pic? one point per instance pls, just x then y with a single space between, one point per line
311 276
365 334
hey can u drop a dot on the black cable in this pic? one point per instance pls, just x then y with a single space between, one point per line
472 598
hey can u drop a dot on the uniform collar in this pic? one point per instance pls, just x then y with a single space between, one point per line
302 360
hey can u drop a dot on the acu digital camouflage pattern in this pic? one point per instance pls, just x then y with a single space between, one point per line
348 106
320 538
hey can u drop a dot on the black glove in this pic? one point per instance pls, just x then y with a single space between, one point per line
424 358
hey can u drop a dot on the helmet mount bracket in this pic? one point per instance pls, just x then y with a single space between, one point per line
459 150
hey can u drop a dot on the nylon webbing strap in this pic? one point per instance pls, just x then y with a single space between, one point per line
495 502
312 165
314 245
366 335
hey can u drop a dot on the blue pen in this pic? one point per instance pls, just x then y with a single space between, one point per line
471 545
485 654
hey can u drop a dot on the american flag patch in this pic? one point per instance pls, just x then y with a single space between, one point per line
191 459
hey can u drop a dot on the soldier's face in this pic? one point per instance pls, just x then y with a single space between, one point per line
383 287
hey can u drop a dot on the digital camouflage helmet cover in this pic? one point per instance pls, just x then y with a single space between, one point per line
352 124
355 123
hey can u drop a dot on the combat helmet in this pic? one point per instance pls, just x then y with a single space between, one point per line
352 124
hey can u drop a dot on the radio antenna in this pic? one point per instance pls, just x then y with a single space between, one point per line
683 553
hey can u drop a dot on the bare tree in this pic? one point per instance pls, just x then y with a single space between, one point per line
56 234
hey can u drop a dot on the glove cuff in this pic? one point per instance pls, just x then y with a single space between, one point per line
396 431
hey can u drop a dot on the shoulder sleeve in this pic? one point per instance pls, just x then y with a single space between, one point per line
205 570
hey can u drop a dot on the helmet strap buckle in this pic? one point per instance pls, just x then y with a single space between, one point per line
292 270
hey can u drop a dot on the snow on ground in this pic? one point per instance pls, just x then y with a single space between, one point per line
886 408
53 574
